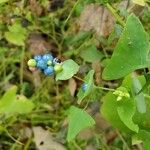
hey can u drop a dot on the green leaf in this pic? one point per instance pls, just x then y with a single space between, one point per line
70 68
78 120
11 103
126 110
142 119
16 34
110 113
131 51
89 81
140 99
90 54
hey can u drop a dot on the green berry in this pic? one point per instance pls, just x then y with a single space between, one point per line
58 68
49 63
31 63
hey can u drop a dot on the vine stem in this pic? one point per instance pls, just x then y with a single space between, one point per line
71 12
123 140
15 140
98 87
104 88
115 14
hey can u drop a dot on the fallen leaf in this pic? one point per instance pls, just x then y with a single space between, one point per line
44 140
96 18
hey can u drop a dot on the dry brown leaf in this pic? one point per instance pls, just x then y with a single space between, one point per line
44 140
72 86
35 7
38 45
96 18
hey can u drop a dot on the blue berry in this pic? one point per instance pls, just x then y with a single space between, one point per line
47 57
38 57
41 64
56 61
49 71
84 87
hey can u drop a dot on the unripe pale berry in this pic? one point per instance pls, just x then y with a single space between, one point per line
49 71
32 63
49 63
58 68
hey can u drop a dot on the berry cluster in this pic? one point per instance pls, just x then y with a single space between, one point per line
46 63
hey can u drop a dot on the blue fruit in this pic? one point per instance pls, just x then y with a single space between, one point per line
41 64
84 87
49 71
47 57
38 57
56 61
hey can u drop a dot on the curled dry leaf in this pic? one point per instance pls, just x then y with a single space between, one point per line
96 18
44 140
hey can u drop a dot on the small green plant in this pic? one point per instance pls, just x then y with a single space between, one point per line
122 58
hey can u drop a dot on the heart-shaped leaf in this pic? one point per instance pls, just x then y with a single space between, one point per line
78 120
131 51
89 81
70 68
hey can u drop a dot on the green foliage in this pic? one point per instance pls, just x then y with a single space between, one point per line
91 54
16 34
90 85
109 111
78 120
11 103
131 51
126 110
125 102
69 68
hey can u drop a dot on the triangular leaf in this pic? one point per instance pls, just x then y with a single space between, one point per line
78 120
131 52
70 68
89 81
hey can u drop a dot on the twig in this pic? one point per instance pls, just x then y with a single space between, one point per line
115 14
